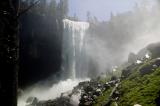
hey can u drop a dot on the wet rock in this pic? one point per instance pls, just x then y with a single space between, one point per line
157 62
31 101
146 70
155 66
62 101
150 67
137 105
85 94
128 70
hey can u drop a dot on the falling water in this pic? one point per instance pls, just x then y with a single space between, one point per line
73 53
74 65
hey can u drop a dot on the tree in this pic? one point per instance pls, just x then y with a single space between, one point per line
75 17
52 9
9 45
63 8
88 16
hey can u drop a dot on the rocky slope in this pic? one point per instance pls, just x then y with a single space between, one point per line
138 85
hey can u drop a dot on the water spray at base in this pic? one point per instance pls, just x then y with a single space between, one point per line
74 67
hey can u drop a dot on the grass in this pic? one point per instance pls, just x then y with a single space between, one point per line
136 88
139 89
103 99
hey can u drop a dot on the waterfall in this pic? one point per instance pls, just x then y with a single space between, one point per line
74 61
74 64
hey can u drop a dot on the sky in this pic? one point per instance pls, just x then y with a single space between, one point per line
100 8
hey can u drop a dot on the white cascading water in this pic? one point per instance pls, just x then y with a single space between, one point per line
74 64
74 54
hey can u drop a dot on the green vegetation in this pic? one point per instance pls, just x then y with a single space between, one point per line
103 99
140 89
140 86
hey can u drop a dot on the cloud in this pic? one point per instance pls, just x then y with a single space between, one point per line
111 42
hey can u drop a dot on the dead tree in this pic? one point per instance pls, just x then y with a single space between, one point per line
9 50
9 45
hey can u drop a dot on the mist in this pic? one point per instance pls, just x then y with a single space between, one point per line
49 93
108 44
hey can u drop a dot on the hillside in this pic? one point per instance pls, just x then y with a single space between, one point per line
139 82
142 85
133 84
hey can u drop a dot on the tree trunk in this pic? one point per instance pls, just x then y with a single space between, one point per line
9 44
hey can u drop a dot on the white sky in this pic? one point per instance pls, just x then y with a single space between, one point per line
100 8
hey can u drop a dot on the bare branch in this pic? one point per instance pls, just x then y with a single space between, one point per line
32 5
18 8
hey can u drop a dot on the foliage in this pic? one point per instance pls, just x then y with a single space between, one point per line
103 99
138 89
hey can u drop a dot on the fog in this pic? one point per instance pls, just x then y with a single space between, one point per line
49 93
108 44
101 8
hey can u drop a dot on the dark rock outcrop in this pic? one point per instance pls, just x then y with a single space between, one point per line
154 49
146 69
